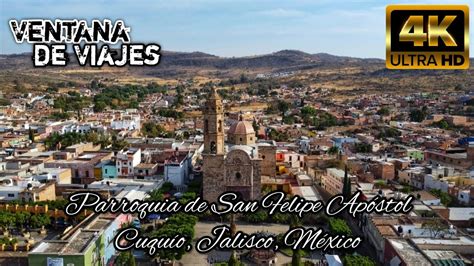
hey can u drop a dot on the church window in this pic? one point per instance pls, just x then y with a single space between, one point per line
213 147
238 175
206 125
220 125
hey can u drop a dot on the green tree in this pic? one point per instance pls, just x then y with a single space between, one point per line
389 132
59 116
384 111
118 144
168 112
99 106
256 127
31 135
155 195
152 130
182 224
346 189
276 135
167 186
443 124
357 260
445 198
339 227
282 106
281 218
259 216
6 220
296 256
22 218
363 147
289 120
418 115
308 111
333 150
39 220
125 258
179 100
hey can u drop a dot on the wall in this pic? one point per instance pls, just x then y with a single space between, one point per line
268 164
109 171
42 259
64 176
98 248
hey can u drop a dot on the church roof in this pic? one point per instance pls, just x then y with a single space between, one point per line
252 151
241 128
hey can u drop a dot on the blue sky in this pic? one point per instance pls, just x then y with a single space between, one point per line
230 27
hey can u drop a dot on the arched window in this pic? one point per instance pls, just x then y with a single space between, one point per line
238 175
206 125
220 126
213 147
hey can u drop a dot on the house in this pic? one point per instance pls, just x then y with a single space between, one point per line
333 181
109 169
402 252
88 245
146 170
383 170
126 160
427 198
82 167
178 168
459 159
43 192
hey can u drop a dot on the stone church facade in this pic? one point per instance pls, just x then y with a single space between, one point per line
233 166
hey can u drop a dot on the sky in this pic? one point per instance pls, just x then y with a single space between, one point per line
230 27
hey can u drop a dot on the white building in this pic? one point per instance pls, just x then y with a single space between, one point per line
9 193
127 122
293 159
432 182
126 161
178 168
76 128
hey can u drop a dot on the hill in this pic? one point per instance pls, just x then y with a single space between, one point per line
17 73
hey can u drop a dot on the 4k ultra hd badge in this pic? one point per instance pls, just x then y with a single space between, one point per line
427 37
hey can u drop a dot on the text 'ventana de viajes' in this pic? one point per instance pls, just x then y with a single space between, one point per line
90 43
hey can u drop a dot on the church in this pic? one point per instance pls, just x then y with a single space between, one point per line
236 164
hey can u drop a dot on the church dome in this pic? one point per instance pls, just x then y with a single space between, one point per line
241 128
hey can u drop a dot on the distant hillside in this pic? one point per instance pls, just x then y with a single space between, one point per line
285 60
17 73
279 60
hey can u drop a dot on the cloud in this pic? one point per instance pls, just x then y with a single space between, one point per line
280 13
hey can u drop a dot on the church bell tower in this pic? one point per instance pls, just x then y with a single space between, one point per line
213 113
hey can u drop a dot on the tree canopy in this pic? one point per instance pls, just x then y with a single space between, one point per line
357 260
339 226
